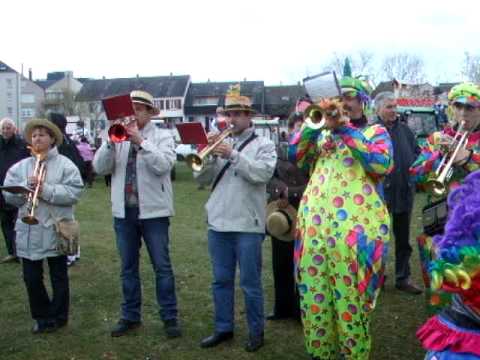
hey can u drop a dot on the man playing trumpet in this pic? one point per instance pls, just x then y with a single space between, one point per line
239 171
343 225
142 203
442 148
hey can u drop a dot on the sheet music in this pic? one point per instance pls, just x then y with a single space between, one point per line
324 85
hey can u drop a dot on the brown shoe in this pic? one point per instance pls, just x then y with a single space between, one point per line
409 288
8 259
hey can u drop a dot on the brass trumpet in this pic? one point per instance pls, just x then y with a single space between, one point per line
314 118
39 173
438 185
197 161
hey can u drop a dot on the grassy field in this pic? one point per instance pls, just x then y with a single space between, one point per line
95 298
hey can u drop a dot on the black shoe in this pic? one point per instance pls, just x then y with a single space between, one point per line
41 327
60 323
216 339
409 288
124 326
254 343
172 330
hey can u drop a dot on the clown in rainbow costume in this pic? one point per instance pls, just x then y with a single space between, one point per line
464 107
343 226
455 332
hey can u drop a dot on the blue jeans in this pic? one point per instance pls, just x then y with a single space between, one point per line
226 248
154 231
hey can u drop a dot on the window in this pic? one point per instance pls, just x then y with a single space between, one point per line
9 83
28 98
167 105
178 104
10 111
28 113
205 101
9 97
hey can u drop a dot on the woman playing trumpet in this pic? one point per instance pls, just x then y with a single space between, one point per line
343 225
55 190
442 148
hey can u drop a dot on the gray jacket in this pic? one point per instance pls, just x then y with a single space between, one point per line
155 160
238 202
60 191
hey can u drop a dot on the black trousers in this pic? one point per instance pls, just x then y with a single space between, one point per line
286 298
403 250
41 306
8 218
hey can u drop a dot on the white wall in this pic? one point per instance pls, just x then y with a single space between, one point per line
9 96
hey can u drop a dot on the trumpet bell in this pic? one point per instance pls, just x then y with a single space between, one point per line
194 161
30 220
437 187
117 133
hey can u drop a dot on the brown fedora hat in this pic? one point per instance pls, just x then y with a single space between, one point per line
236 102
281 221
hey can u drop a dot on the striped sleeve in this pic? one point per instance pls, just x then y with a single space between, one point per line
427 162
372 148
306 144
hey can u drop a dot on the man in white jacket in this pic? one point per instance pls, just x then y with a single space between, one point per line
242 167
142 202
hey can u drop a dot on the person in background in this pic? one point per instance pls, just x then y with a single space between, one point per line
86 153
12 149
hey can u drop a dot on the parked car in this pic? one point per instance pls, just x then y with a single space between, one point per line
423 121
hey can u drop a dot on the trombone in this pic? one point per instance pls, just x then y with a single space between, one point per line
438 185
197 161
39 173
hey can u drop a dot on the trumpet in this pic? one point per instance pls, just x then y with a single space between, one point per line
197 161
314 117
39 173
438 185
117 132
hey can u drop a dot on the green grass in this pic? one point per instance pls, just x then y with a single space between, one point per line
95 298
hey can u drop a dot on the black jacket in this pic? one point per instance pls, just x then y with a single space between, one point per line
11 152
399 190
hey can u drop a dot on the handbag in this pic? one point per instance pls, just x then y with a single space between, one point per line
68 235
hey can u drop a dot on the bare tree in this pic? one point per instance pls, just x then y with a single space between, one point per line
404 67
361 62
471 67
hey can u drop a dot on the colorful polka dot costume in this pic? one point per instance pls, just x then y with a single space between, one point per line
343 232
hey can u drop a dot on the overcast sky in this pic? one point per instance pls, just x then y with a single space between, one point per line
274 41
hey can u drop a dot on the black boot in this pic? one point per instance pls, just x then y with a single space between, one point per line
254 343
172 330
124 326
216 339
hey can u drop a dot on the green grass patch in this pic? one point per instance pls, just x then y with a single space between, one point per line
96 297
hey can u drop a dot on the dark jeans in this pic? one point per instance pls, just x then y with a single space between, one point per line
41 307
226 249
403 250
8 218
130 231
89 176
286 298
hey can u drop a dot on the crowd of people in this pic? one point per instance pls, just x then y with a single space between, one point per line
332 195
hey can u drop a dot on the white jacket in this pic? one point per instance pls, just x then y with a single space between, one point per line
155 160
238 203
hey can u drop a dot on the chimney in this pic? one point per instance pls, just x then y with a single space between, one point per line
171 74
30 74
244 79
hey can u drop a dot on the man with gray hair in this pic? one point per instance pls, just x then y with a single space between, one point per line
399 191
12 150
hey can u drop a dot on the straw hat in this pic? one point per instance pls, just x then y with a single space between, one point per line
281 221
54 130
236 102
143 97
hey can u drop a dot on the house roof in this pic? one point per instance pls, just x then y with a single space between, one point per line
158 86
4 68
383 86
281 100
252 89
45 84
